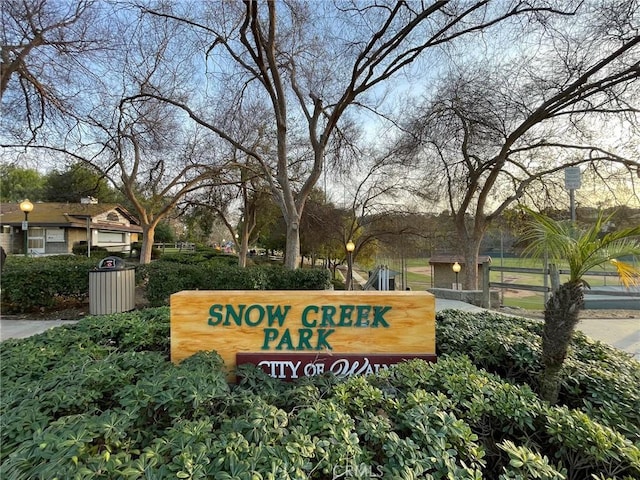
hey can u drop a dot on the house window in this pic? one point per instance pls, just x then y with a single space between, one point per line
110 237
55 235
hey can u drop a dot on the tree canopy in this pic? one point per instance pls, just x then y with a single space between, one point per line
473 105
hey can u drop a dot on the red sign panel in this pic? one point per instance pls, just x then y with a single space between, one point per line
292 366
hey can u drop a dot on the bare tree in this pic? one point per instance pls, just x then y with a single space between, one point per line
147 149
46 46
236 205
504 131
154 181
309 65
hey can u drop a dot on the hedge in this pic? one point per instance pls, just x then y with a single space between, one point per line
53 282
100 399
30 283
166 278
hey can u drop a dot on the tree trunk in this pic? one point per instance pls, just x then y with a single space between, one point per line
243 245
148 235
292 251
470 248
560 320
243 249
470 277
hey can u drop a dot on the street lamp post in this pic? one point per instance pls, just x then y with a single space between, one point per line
26 206
456 269
350 248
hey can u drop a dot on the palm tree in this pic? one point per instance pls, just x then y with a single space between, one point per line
582 249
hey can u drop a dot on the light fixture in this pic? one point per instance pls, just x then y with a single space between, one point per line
26 206
456 268
350 248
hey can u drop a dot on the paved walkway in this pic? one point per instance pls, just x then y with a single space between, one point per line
623 334
26 328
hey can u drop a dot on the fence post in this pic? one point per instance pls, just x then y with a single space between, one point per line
546 273
486 294
554 274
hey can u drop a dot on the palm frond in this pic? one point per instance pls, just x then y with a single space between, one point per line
629 275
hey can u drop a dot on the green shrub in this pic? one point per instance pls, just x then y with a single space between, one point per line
52 282
80 249
30 283
166 278
280 278
508 346
100 399
136 248
185 258
598 379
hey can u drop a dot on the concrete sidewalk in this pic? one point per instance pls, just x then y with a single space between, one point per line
25 328
623 334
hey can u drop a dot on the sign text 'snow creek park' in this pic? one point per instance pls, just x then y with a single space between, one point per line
343 332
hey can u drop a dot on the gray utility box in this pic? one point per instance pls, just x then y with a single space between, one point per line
112 287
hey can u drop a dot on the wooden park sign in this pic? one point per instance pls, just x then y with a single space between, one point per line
297 333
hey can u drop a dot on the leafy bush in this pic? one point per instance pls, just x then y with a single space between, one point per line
136 248
598 379
29 283
80 249
100 399
279 278
50 282
184 258
166 278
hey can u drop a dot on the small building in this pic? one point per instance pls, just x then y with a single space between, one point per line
442 269
54 228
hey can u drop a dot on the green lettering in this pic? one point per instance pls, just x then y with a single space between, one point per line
270 334
303 340
247 315
345 314
237 316
305 321
285 341
215 317
277 315
363 315
328 311
322 339
378 313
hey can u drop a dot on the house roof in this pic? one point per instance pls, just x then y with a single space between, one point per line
68 215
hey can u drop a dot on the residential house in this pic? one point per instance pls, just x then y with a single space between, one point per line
54 228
